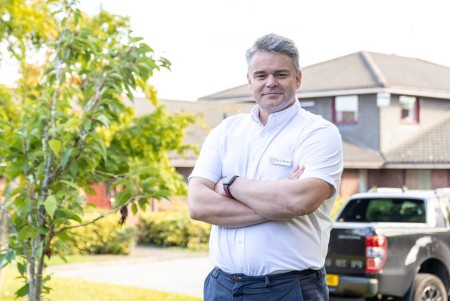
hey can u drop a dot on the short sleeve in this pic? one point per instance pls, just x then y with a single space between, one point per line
321 154
209 163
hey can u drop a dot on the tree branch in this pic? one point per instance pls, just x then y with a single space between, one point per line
106 213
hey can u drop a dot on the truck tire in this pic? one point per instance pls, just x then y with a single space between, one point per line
428 287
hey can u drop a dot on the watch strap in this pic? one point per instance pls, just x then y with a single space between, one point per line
227 184
227 191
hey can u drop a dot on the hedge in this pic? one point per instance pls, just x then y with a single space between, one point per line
172 229
105 236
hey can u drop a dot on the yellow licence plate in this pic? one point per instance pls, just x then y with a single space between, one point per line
332 280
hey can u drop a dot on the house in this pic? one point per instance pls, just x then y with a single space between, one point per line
393 113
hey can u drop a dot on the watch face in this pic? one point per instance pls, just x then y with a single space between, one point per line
228 180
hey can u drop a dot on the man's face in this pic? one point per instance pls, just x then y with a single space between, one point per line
273 82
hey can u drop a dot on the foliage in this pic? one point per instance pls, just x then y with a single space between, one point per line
150 137
101 237
172 228
25 25
66 125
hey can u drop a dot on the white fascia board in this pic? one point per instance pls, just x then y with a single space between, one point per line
417 166
391 90
364 165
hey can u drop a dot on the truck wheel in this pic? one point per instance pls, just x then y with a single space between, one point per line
428 287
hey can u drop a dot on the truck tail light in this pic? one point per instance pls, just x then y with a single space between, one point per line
376 253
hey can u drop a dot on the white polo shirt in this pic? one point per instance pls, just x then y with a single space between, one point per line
241 145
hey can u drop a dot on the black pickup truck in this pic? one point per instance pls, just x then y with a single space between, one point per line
391 244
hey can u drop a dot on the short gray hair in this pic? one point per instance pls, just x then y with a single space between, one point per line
276 44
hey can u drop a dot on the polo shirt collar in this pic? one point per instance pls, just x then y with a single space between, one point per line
278 117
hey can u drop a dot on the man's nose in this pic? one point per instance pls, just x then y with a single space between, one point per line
271 81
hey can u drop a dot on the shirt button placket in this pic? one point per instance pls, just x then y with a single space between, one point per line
240 250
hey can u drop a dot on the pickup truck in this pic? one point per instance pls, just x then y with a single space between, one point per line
391 244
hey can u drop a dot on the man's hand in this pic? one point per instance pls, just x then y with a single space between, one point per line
297 173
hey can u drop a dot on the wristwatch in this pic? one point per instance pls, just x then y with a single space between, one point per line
227 181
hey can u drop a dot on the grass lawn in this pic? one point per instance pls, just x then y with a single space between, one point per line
81 290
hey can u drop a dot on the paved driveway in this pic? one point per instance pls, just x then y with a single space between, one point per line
160 269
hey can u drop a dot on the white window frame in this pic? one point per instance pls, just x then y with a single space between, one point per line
347 104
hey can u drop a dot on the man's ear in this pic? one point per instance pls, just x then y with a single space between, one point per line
298 78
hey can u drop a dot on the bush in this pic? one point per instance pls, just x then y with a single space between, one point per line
105 236
172 229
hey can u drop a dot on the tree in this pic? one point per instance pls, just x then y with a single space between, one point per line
66 126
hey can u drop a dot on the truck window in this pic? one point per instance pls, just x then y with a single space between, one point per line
384 210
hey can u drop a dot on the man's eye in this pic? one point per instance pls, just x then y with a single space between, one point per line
282 75
260 76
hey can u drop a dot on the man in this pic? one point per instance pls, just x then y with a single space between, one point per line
267 182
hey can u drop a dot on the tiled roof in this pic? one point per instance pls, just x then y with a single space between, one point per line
363 71
431 146
241 93
356 156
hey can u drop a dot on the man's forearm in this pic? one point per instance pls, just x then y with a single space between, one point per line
208 206
281 199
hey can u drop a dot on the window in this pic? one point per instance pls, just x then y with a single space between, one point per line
409 109
345 109
307 103
392 210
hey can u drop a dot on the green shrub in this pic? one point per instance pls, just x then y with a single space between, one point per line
105 236
172 229
198 235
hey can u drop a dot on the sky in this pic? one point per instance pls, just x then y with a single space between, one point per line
206 40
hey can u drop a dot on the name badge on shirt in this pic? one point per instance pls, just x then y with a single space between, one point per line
280 159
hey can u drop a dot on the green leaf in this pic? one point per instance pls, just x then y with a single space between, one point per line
103 119
142 203
115 76
62 213
24 232
117 183
87 125
101 146
76 17
55 145
74 168
23 291
50 205
26 167
134 208
21 268
71 184
8 257
136 39
63 236
42 230
17 191
122 197
66 156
